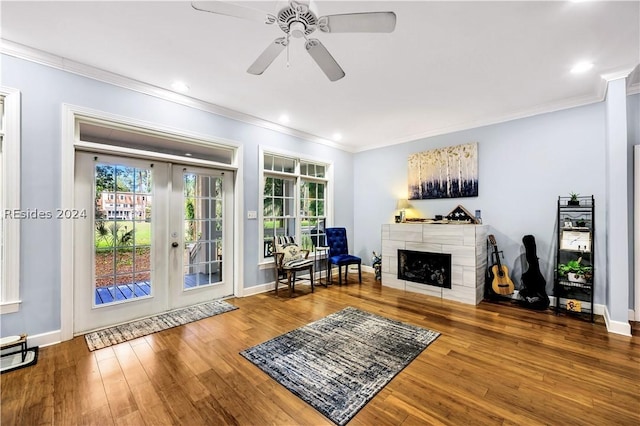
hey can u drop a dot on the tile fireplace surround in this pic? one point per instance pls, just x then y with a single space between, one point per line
467 245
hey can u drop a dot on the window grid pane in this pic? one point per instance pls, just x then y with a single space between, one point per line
312 170
312 204
278 211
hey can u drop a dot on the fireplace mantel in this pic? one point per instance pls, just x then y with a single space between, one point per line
466 243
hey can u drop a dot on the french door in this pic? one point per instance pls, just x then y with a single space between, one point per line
156 236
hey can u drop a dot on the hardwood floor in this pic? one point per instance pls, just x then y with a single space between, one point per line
493 364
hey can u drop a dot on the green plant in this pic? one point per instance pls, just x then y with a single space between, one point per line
575 267
110 234
574 196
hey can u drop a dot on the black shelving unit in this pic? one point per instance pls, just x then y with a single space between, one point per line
576 230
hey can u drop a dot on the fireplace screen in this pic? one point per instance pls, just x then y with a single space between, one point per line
425 267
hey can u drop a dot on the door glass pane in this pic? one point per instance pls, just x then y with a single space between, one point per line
122 237
202 257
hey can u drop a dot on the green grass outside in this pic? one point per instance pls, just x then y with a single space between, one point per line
142 234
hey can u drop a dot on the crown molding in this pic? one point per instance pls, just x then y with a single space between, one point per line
38 56
539 110
21 51
617 74
633 82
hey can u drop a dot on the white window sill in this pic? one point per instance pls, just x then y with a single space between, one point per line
266 264
10 307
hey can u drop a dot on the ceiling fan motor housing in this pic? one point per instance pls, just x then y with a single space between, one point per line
297 20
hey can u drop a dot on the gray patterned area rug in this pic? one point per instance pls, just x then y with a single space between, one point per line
132 330
339 363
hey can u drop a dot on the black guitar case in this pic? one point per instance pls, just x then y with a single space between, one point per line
533 293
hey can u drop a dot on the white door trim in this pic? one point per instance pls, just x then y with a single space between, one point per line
636 240
71 142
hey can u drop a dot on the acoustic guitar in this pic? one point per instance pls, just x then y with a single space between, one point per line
501 283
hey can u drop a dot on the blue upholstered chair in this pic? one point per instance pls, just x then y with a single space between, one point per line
339 253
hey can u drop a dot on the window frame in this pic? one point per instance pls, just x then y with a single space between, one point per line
298 178
10 202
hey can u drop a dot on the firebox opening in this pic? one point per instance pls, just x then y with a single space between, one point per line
425 267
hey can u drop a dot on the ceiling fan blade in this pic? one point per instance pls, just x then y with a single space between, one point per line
323 58
235 10
268 56
371 22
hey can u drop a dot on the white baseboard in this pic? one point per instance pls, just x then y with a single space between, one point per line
267 287
44 339
617 327
257 289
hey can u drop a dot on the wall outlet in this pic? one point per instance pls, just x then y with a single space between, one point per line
252 214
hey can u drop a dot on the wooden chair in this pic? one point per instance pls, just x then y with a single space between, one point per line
289 259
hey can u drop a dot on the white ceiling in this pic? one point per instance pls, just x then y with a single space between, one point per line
448 65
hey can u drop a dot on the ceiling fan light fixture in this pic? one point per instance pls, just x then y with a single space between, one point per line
298 19
297 29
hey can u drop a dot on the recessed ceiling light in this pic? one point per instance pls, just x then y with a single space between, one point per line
188 154
180 86
337 137
581 67
284 119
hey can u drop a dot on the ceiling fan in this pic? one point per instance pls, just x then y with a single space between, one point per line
298 20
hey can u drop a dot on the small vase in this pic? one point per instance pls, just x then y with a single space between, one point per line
576 278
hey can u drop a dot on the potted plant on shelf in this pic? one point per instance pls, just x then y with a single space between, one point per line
575 271
573 199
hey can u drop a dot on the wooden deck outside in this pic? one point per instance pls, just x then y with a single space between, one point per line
141 289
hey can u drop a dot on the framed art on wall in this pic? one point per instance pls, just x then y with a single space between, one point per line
449 172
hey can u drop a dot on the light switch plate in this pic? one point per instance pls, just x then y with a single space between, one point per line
252 214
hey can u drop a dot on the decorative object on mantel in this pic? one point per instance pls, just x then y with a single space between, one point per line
450 172
402 205
426 220
461 215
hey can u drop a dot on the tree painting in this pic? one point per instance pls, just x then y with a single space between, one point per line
449 172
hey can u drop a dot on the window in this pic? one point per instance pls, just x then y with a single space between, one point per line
294 200
9 200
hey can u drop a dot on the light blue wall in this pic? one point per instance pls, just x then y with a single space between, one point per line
524 165
44 90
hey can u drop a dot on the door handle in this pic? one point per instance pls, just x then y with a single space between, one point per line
174 244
